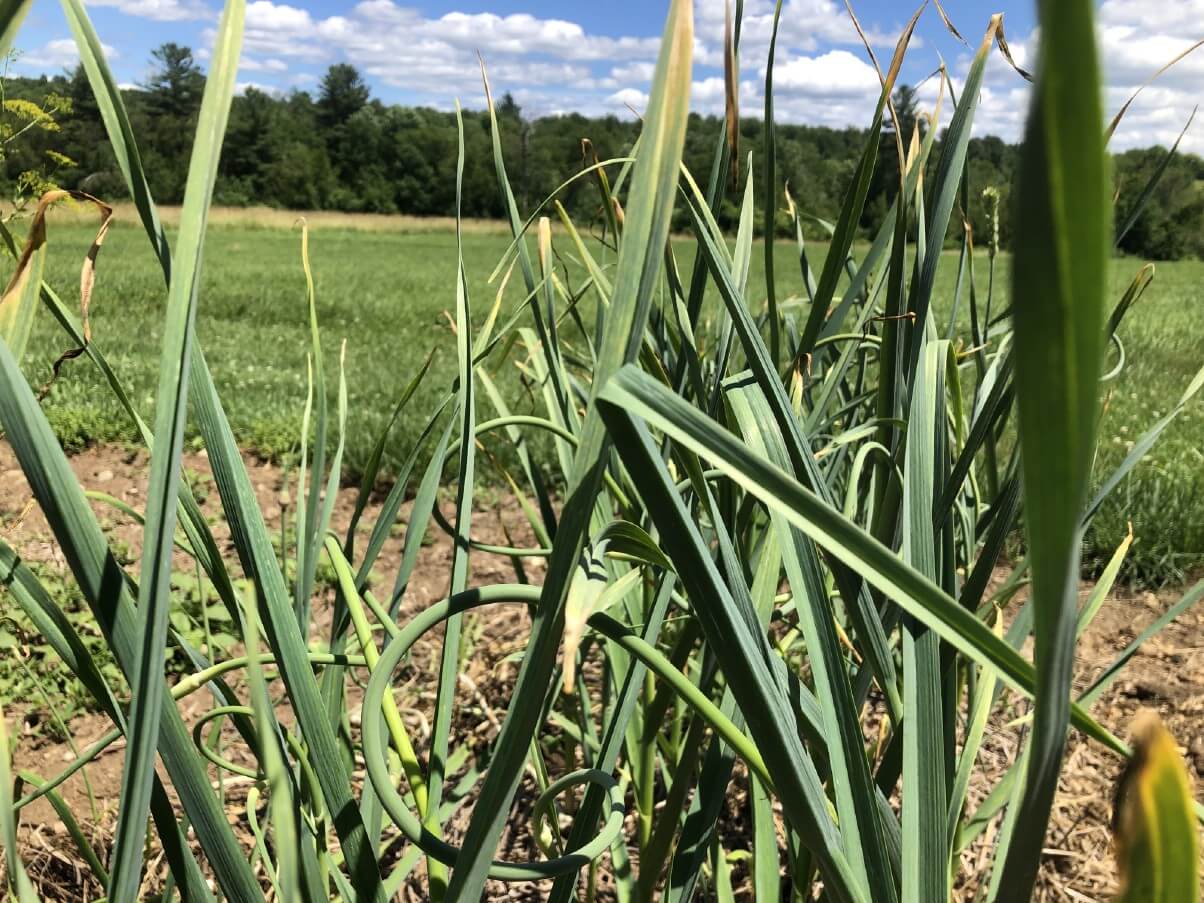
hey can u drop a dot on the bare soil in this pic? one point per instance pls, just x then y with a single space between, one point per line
1167 675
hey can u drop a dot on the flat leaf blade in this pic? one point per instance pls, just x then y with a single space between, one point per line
1059 280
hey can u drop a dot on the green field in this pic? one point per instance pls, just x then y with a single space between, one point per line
385 293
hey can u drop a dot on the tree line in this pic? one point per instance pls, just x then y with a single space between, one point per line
339 148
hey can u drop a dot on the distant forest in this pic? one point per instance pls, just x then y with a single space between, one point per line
341 149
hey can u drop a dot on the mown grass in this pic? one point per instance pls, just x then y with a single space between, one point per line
278 218
386 291
1164 499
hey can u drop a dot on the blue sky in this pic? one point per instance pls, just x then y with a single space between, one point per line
596 57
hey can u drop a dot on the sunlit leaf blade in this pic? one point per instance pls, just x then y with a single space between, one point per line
924 753
1103 586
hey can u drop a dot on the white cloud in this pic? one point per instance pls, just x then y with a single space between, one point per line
516 34
553 64
251 64
396 45
436 56
1135 41
836 73
709 96
57 54
265 16
556 63
1134 53
633 72
1175 15
628 99
708 92
281 30
161 10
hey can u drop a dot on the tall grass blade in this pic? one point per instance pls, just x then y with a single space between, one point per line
253 544
854 202
154 599
311 525
652 192
813 545
771 196
280 804
954 148
1110 673
860 830
19 302
117 126
610 747
802 461
735 635
1143 197
449 659
1142 446
252 540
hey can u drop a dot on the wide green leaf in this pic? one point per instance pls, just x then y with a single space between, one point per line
1059 280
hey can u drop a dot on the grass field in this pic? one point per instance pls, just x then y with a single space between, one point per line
383 286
